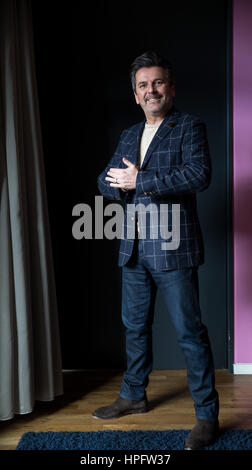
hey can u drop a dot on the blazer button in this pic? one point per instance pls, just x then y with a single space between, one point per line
132 218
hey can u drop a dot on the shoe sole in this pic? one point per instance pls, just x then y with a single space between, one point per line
133 412
188 447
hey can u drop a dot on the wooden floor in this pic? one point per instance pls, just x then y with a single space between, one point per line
171 405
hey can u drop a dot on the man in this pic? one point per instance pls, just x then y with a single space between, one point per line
162 161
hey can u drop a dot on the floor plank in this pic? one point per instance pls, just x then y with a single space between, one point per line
168 394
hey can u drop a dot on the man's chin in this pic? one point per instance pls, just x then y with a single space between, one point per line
158 110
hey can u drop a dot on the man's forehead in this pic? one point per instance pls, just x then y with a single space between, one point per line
147 73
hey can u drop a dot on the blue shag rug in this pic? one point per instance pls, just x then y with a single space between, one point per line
128 440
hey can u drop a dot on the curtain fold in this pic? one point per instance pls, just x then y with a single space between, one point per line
30 355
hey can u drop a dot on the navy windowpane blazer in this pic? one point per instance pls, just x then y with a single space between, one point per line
176 166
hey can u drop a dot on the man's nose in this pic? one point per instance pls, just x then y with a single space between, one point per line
151 88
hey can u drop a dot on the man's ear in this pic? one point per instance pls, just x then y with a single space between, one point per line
136 98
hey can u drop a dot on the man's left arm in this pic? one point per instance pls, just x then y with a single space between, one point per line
191 176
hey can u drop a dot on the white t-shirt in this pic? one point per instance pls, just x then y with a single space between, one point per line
147 136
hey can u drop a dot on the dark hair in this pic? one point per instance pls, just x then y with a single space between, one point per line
150 59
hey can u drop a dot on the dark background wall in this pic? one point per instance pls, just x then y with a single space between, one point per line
82 60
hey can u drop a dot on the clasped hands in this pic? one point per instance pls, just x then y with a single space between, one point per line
123 178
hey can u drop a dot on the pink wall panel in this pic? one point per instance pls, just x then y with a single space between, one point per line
242 179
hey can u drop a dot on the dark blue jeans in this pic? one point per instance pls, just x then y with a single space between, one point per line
179 288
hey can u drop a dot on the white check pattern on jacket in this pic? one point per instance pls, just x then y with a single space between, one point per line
176 166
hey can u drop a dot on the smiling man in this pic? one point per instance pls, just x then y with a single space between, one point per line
162 160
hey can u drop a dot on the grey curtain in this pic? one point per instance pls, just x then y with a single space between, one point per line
30 356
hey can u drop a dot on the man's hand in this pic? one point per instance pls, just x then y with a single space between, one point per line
123 178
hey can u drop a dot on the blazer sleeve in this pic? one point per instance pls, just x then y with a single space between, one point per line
115 162
191 176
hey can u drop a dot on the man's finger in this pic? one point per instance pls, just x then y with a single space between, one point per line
127 162
115 171
116 185
110 179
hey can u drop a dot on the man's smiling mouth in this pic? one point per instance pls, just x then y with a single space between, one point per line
153 100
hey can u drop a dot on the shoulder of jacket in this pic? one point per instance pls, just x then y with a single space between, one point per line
189 118
133 129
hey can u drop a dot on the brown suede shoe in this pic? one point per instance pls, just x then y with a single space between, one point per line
203 434
121 407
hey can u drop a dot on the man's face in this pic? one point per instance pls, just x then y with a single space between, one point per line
153 91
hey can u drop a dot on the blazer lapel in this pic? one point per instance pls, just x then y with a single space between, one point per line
164 129
133 150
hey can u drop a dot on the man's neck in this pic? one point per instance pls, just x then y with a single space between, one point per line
154 119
